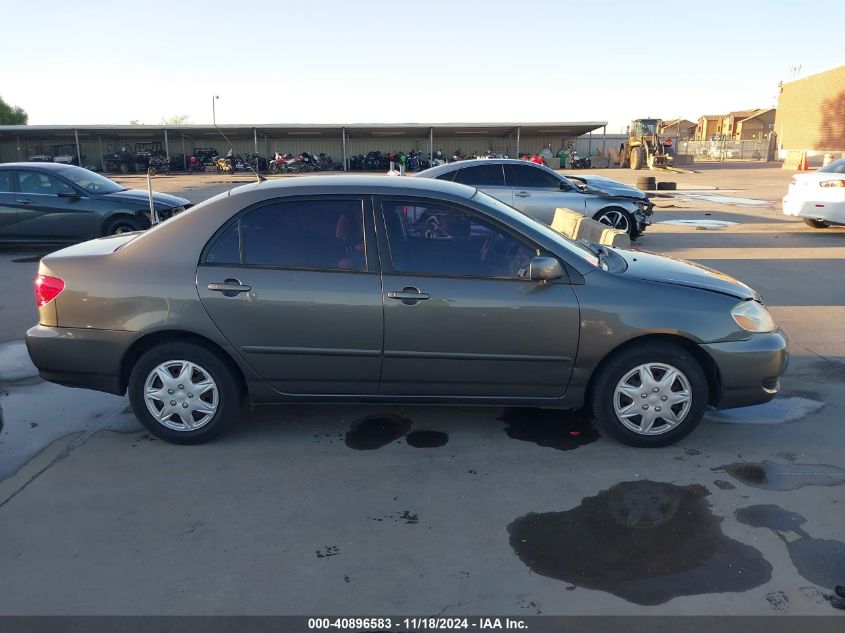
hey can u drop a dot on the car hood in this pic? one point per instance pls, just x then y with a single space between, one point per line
663 269
611 191
140 197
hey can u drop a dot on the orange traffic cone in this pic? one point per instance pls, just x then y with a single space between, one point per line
802 166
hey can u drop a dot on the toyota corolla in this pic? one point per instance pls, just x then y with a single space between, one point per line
378 289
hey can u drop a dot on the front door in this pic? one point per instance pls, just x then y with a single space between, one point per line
537 192
293 288
460 317
51 209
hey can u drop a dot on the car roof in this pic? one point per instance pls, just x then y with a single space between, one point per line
37 165
344 184
433 172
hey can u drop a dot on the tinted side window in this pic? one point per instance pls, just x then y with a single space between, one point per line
530 177
482 176
226 249
439 239
449 175
34 182
5 181
322 234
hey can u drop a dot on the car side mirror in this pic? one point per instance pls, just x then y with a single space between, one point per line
564 186
544 269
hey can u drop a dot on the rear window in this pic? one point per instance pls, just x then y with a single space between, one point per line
836 167
482 176
308 234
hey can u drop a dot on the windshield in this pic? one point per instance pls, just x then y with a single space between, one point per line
579 250
836 167
91 182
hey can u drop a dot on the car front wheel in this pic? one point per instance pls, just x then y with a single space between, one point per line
650 395
617 218
184 393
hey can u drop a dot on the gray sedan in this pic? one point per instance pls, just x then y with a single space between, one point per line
378 289
51 202
537 191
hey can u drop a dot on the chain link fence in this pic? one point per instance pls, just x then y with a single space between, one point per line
727 149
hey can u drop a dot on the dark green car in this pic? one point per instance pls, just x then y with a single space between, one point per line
52 202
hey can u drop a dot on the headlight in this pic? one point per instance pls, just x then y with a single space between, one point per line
753 317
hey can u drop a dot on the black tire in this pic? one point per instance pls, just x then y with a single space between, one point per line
229 393
602 394
125 224
617 218
816 224
667 186
637 158
647 183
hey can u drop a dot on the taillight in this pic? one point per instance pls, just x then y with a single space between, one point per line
832 183
47 288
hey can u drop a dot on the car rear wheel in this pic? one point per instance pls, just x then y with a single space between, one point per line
184 393
617 218
650 395
816 224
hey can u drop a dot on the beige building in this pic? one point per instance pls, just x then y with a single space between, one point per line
708 127
811 113
684 129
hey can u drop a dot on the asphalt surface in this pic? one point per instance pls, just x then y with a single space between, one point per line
364 510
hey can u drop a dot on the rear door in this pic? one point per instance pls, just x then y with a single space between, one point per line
537 192
8 213
489 178
50 208
294 286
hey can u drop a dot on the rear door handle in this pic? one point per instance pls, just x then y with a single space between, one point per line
229 288
23 201
408 296
522 194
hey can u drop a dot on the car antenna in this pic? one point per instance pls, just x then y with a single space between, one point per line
258 176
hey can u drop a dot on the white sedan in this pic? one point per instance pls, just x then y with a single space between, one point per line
818 196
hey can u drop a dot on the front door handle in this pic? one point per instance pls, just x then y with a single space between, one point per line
22 201
229 288
409 296
522 194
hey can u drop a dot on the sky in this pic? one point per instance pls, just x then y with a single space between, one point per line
429 61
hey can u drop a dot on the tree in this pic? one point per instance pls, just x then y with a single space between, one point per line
135 122
12 115
177 119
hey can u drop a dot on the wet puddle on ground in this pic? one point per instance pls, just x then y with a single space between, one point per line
700 224
371 433
820 561
772 476
644 541
561 430
777 411
374 432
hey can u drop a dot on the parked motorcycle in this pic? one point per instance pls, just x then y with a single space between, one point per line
372 161
577 162
438 158
225 165
158 165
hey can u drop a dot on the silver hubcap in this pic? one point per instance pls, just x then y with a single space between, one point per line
652 399
181 395
616 219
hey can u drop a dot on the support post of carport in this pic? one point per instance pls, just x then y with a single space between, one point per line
517 141
430 146
604 140
166 145
255 140
590 143
78 152
184 155
343 139
100 147
18 143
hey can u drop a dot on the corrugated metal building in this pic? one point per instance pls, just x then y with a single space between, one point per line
19 142
811 114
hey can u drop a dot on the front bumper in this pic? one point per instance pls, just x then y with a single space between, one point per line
76 357
749 371
643 214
